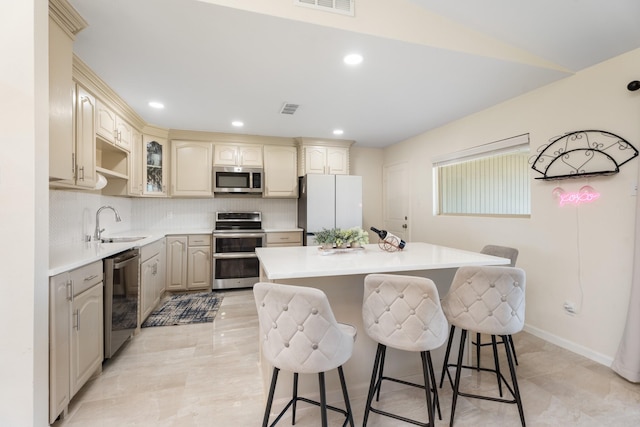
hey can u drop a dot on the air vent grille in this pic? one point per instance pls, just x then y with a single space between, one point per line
344 7
289 108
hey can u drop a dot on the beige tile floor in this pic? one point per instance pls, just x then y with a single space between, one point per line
209 375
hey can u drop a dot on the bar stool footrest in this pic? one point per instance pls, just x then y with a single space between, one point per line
312 402
391 415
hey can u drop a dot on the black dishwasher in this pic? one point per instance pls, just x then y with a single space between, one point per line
120 299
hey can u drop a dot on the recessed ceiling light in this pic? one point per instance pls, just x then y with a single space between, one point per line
155 104
353 59
237 123
338 132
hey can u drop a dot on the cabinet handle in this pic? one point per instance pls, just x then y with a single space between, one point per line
86 279
69 290
73 163
77 319
81 169
120 136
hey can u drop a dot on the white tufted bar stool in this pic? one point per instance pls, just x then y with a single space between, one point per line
403 312
300 334
488 300
502 252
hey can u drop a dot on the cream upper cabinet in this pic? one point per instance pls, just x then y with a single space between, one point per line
280 172
61 144
154 169
191 168
83 154
105 122
112 128
64 24
85 139
134 184
321 156
124 133
237 155
326 160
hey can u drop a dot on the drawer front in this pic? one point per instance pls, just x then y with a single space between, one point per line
200 240
86 277
284 237
151 250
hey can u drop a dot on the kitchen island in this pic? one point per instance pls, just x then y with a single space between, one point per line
340 274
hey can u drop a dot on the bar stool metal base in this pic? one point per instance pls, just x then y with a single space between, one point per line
513 387
478 343
376 381
295 399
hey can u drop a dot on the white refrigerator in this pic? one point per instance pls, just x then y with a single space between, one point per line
329 201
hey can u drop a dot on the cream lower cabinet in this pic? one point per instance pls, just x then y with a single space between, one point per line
189 262
152 277
76 334
199 262
177 263
280 172
284 238
87 341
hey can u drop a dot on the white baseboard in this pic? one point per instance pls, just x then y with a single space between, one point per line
570 345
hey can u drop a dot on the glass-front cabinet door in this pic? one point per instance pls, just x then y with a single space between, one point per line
155 166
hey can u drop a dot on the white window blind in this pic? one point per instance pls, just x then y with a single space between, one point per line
491 179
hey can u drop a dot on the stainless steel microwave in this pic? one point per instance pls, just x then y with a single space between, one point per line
237 179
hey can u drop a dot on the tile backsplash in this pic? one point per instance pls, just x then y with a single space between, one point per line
72 214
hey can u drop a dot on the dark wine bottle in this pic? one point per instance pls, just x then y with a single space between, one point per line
390 238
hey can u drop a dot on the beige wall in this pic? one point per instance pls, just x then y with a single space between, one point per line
579 254
367 162
23 217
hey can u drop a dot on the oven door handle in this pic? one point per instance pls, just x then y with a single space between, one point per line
235 255
237 235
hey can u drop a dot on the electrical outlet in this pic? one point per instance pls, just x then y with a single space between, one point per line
569 307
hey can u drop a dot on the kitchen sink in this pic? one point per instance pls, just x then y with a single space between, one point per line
122 239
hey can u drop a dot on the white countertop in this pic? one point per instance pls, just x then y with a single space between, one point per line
308 261
67 257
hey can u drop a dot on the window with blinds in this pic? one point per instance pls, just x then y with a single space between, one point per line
492 179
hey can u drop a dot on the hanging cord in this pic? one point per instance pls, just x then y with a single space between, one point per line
578 308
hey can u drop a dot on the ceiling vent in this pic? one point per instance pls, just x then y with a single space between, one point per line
343 7
289 108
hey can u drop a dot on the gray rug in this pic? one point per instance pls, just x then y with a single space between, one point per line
185 309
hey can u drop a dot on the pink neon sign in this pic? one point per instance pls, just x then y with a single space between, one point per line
586 195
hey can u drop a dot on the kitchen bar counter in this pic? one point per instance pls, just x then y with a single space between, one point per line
341 276
310 261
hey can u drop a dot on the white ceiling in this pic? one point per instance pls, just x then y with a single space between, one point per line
211 64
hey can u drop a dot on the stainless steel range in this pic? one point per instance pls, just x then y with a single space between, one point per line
235 239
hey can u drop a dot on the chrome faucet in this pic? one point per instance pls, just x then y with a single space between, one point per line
98 233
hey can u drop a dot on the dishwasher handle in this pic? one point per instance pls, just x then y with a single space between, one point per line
124 260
